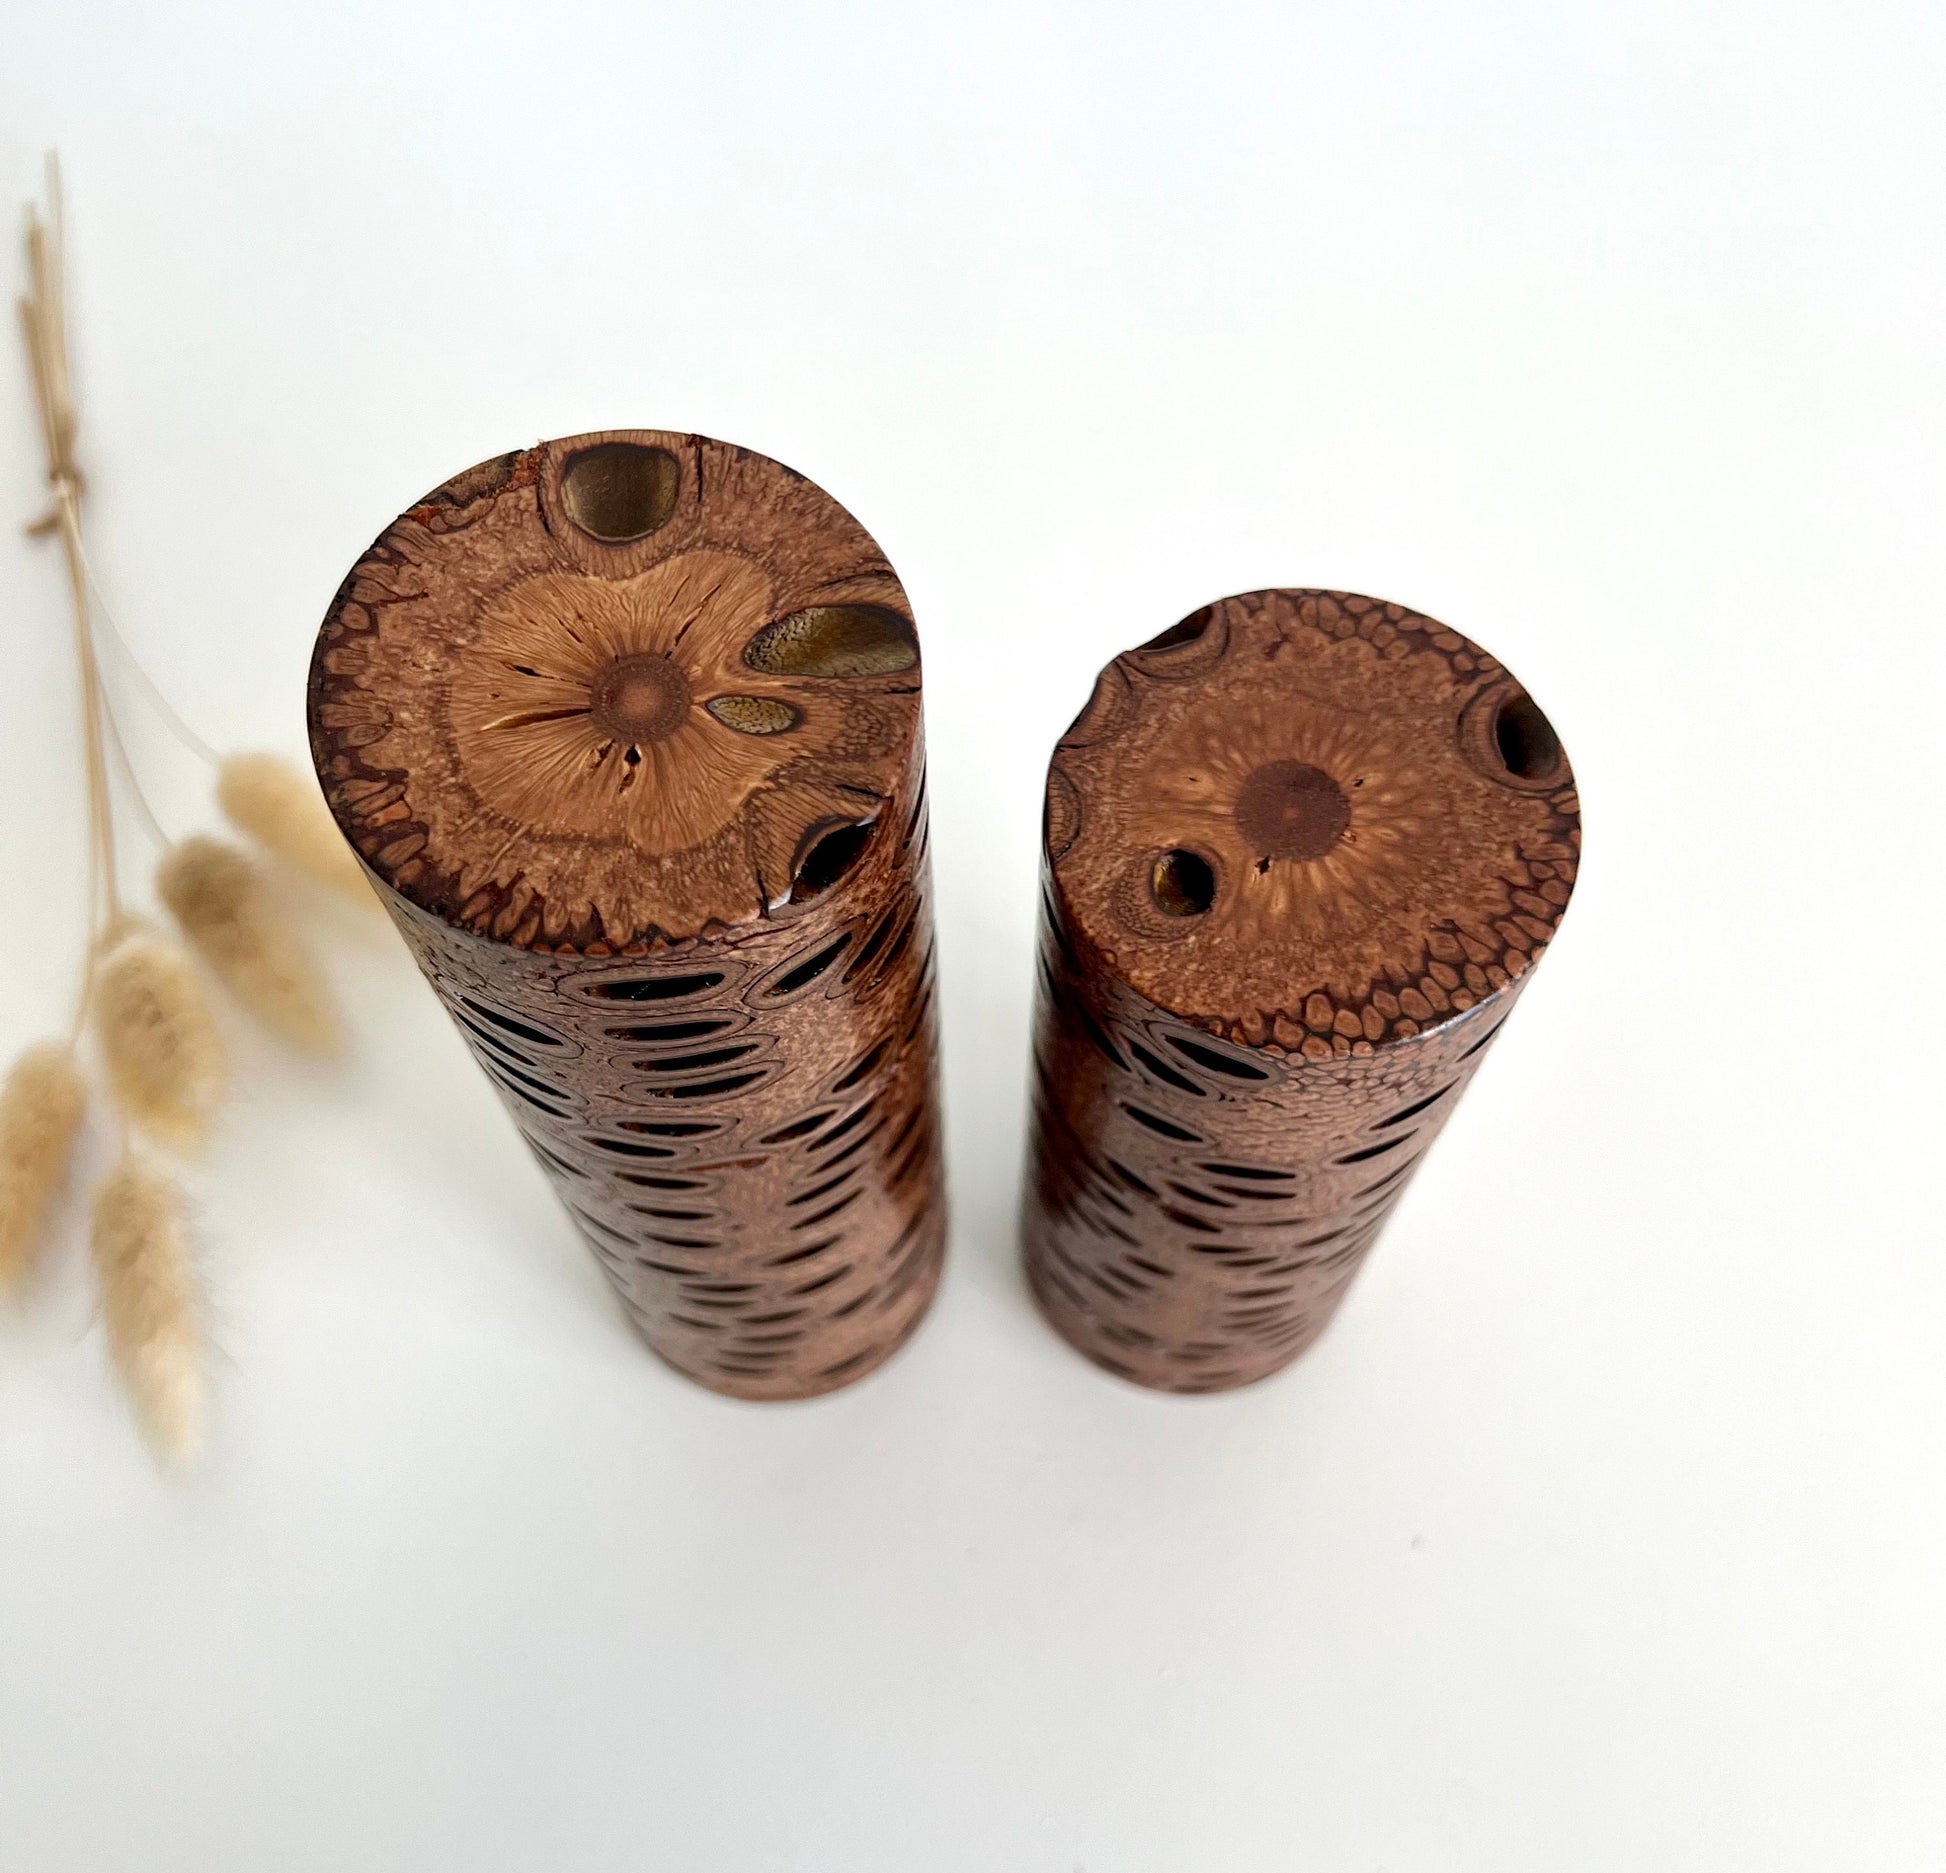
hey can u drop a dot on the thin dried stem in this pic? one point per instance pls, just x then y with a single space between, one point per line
43 321
136 791
166 711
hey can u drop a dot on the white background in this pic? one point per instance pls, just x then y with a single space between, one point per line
1604 1530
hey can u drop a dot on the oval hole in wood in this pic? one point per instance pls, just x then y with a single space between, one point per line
1525 739
1182 884
655 988
1187 632
620 491
752 715
828 853
835 640
803 974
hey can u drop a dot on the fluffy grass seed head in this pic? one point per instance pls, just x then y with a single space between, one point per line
41 1103
225 908
264 796
149 1303
158 1038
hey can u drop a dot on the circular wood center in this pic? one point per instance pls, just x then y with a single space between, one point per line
641 698
1289 809
622 679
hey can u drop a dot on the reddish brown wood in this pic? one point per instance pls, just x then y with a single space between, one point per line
627 729
1302 851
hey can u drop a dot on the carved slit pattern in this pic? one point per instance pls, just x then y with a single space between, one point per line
749 1146
1194 1213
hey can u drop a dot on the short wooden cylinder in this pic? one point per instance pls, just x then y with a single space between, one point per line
1302 852
626 729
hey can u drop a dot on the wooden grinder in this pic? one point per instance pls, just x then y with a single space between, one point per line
1301 852
626 728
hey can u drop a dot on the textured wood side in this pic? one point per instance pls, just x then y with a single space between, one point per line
626 728
752 1148
1207 1178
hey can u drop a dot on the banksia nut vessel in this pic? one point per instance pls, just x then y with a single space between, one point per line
1302 851
627 729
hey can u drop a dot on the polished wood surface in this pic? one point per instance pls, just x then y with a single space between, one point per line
627 729
1302 851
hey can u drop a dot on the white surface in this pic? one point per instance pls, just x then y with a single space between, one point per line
1604 1531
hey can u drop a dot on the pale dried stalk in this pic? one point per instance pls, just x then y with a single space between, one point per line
148 1303
219 897
162 1053
266 797
158 1038
43 320
41 1103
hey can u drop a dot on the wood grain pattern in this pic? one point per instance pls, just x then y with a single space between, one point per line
1302 851
627 729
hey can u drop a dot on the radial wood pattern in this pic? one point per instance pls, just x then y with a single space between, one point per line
627 729
1302 851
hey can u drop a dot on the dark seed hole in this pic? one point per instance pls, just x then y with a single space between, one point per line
670 1030
506 1073
1166 1073
835 640
1182 884
1412 1111
706 1089
539 1036
1161 1127
1373 1151
1092 1028
1390 1177
1528 746
1187 632
827 857
620 490
498 1044
521 1092
1216 1062
873 943
860 1069
798 1128
655 988
845 1125
810 969
695 1063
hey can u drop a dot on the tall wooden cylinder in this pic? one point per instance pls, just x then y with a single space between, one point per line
626 728
1302 851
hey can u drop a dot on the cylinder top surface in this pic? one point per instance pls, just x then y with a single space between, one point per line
614 690
1288 815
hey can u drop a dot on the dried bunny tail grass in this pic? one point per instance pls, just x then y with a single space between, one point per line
41 1103
220 899
158 1038
265 796
148 1303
